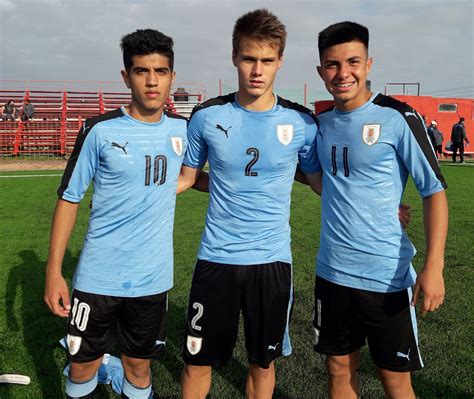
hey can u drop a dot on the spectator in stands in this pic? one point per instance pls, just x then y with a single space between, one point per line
27 111
180 94
9 111
436 138
458 136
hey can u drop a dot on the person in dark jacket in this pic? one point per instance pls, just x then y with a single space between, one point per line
429 130
458 137
9 111
27 111
436 138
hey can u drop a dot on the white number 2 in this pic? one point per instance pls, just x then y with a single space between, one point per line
200 311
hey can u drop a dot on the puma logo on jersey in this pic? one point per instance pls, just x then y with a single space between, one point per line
122 147
273 348
407 356
224 130
158 342
407 114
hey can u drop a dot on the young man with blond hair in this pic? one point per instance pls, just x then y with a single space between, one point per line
252 140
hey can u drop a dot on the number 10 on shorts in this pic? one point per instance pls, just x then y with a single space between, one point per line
80 314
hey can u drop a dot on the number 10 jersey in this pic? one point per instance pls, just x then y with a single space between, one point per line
134 166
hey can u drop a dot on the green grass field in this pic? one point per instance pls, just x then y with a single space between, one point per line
29 333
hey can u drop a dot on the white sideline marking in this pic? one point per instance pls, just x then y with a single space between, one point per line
206 169
31 175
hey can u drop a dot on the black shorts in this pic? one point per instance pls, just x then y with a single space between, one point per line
97 322
264 294
344 317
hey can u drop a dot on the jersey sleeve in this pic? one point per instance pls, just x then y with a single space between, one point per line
196 152
308 156
81 166
414 148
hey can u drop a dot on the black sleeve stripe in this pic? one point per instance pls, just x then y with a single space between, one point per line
221 100
415 122
295 106
327 110
81 136
175 116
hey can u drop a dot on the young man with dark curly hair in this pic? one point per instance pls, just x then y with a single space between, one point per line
368 144
133 156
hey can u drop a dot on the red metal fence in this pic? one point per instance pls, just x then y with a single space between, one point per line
445 111
59 114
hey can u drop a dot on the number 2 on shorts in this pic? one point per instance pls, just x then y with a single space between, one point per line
200 311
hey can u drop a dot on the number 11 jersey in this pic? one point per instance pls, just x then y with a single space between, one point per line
366 156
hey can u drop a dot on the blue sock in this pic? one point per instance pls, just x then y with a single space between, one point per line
133 392
80 389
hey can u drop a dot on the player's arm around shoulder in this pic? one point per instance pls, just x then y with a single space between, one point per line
315 182
430 282
191 174
56 291
309 169
192 177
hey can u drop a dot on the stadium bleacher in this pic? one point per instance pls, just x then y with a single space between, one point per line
59 114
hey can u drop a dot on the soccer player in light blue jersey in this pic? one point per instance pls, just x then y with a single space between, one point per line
367 146
132 156
252 141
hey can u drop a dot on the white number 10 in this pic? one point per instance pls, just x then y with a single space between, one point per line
80 314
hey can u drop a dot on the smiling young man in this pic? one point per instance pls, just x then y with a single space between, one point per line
252 140
133 157
367 145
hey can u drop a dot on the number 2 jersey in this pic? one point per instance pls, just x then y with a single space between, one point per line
134 167
366 156
252 160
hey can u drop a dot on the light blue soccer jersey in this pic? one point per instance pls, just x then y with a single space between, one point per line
134 167
252 160
366 156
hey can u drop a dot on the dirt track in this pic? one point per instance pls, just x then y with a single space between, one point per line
25 164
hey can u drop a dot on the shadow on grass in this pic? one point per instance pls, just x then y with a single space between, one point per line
427 388
234 373
40 329
172 361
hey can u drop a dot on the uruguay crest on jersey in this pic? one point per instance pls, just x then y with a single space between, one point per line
177 143
285 134
370 134
193 344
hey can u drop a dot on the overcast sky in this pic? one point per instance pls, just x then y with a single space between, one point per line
425 41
